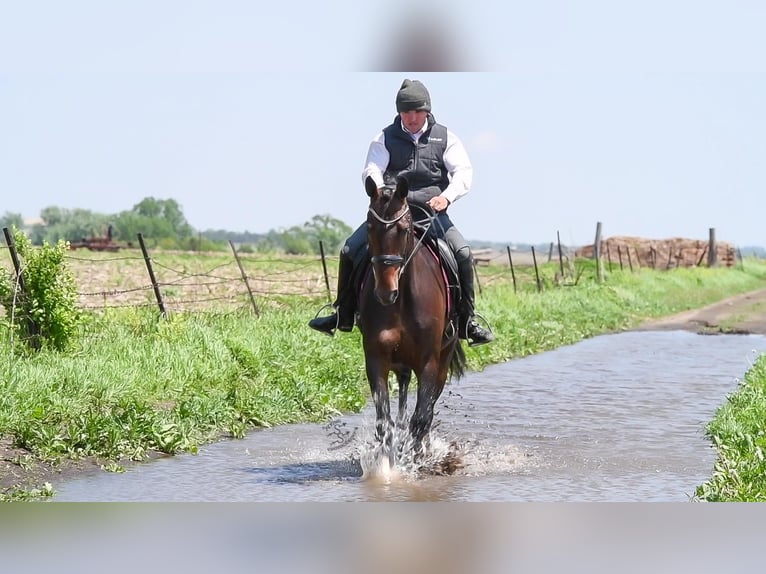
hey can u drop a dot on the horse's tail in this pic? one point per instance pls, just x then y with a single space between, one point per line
457 362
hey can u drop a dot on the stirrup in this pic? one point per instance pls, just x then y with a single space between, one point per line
489 328
337 319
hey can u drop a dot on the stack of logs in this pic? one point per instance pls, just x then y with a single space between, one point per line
660 253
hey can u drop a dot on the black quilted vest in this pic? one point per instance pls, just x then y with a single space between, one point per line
424 160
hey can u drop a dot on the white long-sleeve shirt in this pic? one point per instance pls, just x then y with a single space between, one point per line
459 168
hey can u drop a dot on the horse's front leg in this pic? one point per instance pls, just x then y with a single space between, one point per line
403 376
377 375
429 389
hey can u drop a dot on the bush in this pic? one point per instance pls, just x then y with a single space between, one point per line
46 313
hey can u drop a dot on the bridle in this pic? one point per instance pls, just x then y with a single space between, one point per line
399 260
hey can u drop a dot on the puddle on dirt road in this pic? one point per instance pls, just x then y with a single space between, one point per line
614 418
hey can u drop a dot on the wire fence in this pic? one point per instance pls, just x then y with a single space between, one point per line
178 281
209 281
192 281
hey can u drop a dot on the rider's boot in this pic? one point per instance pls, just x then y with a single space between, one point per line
468 328
345 304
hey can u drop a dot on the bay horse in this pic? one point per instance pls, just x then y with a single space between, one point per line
404 316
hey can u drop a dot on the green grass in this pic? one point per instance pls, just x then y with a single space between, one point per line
136 384
739 435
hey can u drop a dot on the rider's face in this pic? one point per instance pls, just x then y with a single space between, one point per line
413 120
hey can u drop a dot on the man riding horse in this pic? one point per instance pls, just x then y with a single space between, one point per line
439 173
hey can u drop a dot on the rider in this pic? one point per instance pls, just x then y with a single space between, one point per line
439 173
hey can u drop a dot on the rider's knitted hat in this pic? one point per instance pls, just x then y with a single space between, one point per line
413 95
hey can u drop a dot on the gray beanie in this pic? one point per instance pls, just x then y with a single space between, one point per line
413 95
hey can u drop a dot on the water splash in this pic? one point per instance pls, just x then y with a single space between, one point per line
445 454
396 458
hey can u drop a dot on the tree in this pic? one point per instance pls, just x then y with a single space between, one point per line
12 220
72 225
325 228
167 210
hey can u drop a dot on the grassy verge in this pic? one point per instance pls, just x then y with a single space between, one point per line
739 435
136 384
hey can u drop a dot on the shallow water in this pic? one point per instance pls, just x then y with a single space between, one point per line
613 418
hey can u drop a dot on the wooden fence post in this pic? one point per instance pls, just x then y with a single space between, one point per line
701 257
638 256
510 261
537 272
244 277
476 276
32 327
597 253
155 285
561 256
324 269
609 256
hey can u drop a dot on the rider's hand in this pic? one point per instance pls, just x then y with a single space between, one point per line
438 203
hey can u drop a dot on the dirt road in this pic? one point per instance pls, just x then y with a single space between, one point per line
745 314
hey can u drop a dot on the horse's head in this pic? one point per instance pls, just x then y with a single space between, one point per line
389 235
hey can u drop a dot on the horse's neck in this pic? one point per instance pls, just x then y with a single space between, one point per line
420 259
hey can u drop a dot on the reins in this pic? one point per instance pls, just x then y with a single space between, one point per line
398 260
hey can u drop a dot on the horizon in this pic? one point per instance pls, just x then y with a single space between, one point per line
28 222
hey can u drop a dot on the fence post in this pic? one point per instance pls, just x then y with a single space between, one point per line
701 257
537 273
155 285
597 253
609 256
324 269
561 255
244 277
619 256
476 275
32 328
510 261
712 252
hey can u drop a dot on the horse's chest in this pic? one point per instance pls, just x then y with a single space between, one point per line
389 339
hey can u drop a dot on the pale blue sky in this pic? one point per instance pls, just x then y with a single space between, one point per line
647 116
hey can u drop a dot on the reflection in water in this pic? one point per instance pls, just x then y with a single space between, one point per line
613 418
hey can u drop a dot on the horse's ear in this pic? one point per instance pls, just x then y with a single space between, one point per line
370 186
402 186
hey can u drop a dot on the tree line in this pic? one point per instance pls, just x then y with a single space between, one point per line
163 224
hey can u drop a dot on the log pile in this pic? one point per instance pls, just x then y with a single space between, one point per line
660 253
